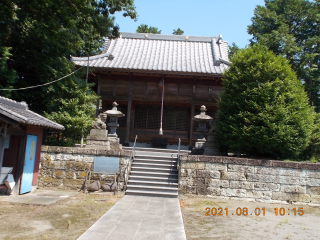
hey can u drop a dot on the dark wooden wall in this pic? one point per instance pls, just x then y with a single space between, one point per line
138 89
177 89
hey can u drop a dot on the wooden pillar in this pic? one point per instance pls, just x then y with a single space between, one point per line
3 135
98 93
129 112
192 114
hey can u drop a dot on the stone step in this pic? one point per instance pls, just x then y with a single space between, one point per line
154 174
153 183
160 150
154 169
152 188
160 179
151 193
155 154
155 161
154 165
152 157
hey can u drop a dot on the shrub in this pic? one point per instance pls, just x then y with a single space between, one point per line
263 109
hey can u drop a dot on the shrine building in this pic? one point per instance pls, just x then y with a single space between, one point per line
140 71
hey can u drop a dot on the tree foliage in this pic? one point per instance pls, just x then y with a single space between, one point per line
75 111
144 28
36 40
178 32
291 28
264 109
232 49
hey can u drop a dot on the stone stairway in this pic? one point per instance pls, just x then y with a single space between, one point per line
154 173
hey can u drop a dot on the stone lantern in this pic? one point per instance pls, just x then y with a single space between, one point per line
114 114
202 118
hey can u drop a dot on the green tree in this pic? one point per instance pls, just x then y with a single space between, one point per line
144 28
232 50
74 112
36 40
178 32
264 109
291 28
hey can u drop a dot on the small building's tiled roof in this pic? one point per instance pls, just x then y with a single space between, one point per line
161 53
19 112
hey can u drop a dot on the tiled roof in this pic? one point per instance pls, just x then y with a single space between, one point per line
19 112
162 53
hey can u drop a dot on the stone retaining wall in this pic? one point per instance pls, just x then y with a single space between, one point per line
66 167
251 179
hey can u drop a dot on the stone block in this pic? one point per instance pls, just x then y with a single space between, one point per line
240 168
311 173
232 176
49 181
79 166
199 182
214 191
260 178
83 158
202 190
289 172
313 190
212 159
53 149
283 164
208 174
226 192
183 189
259 162
264 170
313 182
265 195
193 158
315 199
183 157
67 150
241 185
258 186
190 173
293 189
70 175
294 197
82 151
310 166
235 160
185 181
216 183
44 148
59 174
58 165
216 166
191 189
192 165
286 180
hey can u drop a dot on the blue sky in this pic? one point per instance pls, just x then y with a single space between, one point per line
195 17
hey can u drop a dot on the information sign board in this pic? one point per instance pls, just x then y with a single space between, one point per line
106 165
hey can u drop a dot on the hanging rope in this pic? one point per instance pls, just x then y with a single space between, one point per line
16 89
161 131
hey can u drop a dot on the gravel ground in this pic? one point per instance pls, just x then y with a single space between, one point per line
267 225
66 219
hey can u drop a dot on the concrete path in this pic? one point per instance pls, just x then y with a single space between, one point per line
39 197
135 217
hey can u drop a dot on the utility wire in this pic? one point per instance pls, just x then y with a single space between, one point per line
16 89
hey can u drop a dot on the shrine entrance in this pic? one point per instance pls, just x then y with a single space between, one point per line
175 123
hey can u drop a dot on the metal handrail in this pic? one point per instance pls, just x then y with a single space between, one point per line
127 170
178 156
